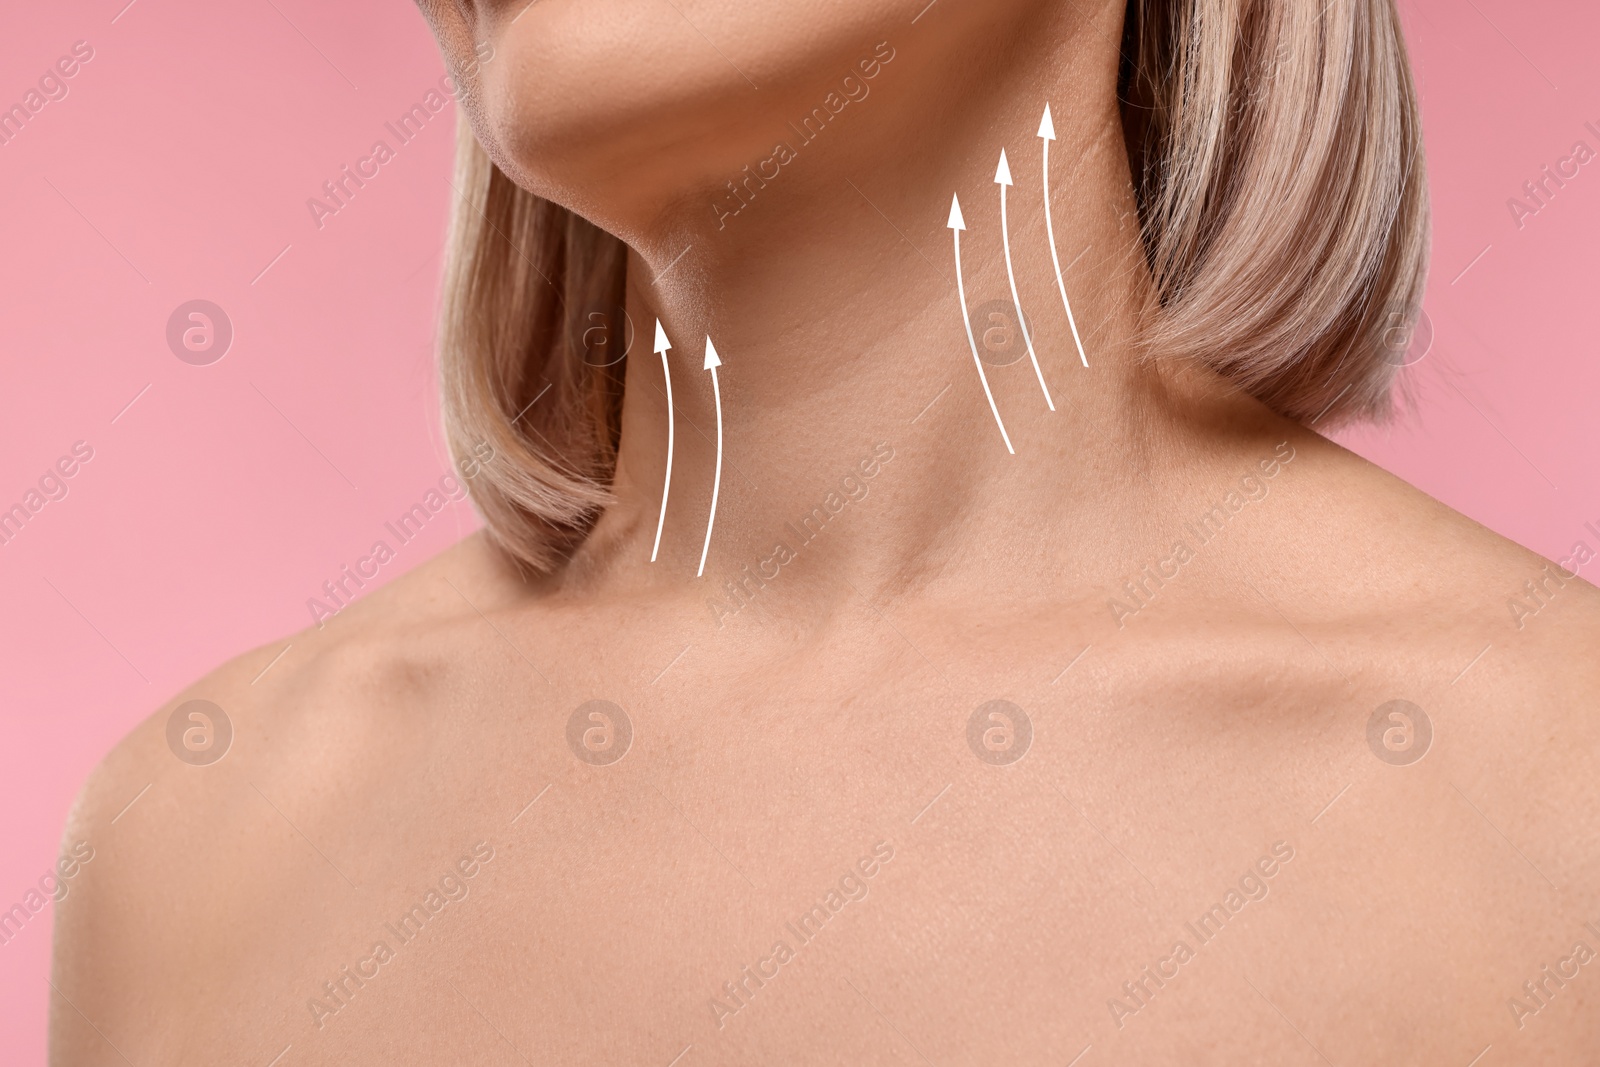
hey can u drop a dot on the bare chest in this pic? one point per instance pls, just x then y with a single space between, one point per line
919 870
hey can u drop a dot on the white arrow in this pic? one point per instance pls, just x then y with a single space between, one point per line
712 363
1002 177
957 224
1047 133
662 344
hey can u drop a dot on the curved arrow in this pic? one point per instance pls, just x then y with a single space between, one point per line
1002 177
1047 133
712 363
662 345
957 224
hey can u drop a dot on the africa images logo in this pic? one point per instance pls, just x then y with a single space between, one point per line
199 332
1399 733
199 732
999 733
599 732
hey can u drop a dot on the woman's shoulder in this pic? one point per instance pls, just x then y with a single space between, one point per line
371 647
1383 550
191 815
263 699
1391 595
1345 556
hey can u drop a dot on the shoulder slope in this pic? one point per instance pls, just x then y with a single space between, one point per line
133 816
1387 557
263 682
168 811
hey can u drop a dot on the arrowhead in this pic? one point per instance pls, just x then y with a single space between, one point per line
1047 128
956 221
662 344
711 354
1002 174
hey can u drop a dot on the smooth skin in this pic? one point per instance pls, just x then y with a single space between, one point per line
1209 748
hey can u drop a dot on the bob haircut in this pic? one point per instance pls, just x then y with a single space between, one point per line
1277 161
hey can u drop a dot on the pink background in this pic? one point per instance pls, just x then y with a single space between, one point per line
178 167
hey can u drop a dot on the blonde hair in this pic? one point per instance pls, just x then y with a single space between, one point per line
1277 160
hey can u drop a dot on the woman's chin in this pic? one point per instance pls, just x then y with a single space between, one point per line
578 96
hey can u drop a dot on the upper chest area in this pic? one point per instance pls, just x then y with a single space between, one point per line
1227 848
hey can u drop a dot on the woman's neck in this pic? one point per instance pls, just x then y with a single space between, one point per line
830 290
